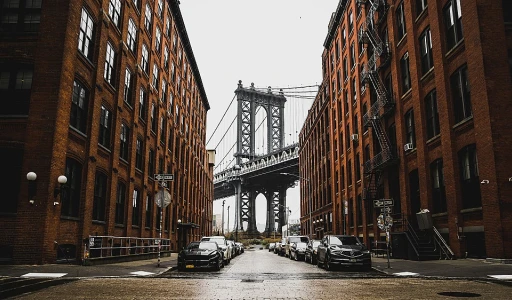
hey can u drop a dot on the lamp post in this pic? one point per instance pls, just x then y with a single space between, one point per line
223 202
309 203
228 219
31 177
58 190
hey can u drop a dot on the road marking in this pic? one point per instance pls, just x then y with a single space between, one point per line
44 275
406 274
142 273
501 277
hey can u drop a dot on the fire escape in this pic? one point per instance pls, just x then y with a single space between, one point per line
380 56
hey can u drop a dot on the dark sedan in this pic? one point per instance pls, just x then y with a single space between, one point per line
310 255
200 255
343 250
298 251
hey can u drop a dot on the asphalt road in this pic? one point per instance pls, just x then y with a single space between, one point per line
260 274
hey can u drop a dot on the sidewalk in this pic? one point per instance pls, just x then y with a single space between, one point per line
459 268
147 267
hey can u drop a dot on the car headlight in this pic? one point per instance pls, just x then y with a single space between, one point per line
366 252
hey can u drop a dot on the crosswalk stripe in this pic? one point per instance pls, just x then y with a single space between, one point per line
501 277
44 275
405 274
142 273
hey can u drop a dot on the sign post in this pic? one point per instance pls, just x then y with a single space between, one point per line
384 220
163 199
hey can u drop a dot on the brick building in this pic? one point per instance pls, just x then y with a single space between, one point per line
414 107
107 93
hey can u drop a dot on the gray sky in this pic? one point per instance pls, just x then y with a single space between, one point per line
275 43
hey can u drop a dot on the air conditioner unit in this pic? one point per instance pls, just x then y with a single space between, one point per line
408 147
354 137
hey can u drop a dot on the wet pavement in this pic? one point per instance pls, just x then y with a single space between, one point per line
259 274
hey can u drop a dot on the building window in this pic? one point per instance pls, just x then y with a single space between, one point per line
410 135
358 167
131 38
421 5
352 55
345 68
79 103
400 21
120 202
158 39
162 130
406 76
163 96
110 64
20 16
359 205
160 8
438 189
137 3
350 22
144 59
148 18
151 163
70 197
168 26
15 89
142 104
105 124
461 96
100 194
125 140
354 90
149 210
452 21
85 39
469 176
114 11
427 60
136 208
128 97
11 160
153 118
139 148
432 115
155 77
349 172
166 57
507 10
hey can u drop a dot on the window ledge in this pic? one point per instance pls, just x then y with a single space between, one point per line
421 15
470 210
462 124
406 94
440 214
430 73
401 40
456 49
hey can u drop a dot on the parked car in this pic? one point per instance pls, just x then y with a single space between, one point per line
241 247
277 247
294 239
234 252
343 250
310 255
223 244
271 247
298 250
198 255
282 247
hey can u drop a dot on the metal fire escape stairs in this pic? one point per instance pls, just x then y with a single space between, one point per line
370 75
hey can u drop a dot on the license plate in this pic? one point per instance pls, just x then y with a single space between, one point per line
189 266
352 260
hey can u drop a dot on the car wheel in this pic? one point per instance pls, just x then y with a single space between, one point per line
296 256
318 263
217 266
327 263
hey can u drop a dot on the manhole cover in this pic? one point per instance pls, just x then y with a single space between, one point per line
459 294
252 280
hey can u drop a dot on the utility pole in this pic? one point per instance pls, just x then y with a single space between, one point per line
228 219
223 202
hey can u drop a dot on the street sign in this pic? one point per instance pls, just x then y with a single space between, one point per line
382 202
163 198
164 177
386 209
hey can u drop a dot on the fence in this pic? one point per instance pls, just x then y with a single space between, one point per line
111 246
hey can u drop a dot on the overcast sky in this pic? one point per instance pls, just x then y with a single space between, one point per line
274 43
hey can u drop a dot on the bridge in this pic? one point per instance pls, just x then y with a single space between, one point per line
264 157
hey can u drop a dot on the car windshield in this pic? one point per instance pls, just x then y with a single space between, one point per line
219 241
193 245
301 245
344 240
208 246
298 239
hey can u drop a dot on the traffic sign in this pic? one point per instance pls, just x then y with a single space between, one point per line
386 209
382 202
163 198
164 177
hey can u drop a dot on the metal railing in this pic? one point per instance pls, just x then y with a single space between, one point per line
444 248
111 246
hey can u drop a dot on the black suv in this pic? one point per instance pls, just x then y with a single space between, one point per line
343 250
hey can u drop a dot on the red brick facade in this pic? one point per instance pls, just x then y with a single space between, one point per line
474 212
51 138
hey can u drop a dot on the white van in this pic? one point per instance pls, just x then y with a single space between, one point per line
223 244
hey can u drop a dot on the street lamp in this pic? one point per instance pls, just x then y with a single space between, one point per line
31 177
223 202
309 202
58 190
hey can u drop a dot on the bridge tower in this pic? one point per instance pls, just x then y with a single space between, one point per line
249 100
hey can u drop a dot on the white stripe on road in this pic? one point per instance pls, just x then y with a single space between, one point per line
405 274
44 275
142 273
501 277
